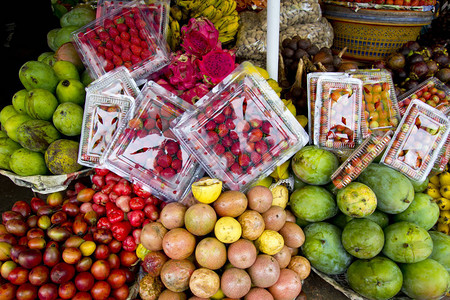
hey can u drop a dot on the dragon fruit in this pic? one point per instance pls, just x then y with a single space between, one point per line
216 65
199 37
185 72
162 82
193 95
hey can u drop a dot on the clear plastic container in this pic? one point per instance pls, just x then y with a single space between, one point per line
418 141
311 91
358 161
145 150
240 130
104 115
157 10
380 107
444 155
337 124
431 91
123 37
115 82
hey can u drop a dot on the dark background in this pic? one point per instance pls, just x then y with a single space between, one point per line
24 27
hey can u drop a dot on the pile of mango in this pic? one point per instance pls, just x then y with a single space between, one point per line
40 129
439 189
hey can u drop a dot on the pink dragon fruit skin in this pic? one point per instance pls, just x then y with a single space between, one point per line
162 82
193 95
185 72
216 65
199 37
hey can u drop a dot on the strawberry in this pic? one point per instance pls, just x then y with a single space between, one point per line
90 34
210 125
101 50
230 124
133 32
95 43
135 59
135 40
125 44
144 44
136 50
244 160
109 44
125 35
122 27
128 64
227 141
229 159
145 53
103 36
140 24
130 22
118 19
108 23
219 119
255 135
234 135
126 54
218 149
255 157
222 130
109 54
261 147
266 127
236 149
117 60
212 138
109 66
116 49
176 164
236 169
113 32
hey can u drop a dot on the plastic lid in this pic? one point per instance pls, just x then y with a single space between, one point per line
241 129
115 82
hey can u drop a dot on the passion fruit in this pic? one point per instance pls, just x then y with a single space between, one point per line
178 243
176 273
231 204
252 224
172 215
265 271
200 219
211 253
204 283
235 283
260 198
242 254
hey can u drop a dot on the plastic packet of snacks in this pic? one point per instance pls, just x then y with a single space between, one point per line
337 123
418 141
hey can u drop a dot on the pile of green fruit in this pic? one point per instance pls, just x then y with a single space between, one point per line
40 129
378 230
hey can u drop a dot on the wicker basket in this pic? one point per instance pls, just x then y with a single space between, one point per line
372 34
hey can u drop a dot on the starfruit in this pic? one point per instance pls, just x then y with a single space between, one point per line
207 190
281 172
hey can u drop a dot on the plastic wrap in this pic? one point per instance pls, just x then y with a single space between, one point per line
252 35
294 12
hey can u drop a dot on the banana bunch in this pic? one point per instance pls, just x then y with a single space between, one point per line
439 189
222 13
173 33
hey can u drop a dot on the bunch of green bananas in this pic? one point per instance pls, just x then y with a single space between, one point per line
222 13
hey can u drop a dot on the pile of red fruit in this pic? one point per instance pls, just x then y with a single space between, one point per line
77 245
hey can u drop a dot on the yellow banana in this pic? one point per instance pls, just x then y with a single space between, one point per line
435 180
444 217
204 5
209 12
444 178
444 203
219 3
226 38
444 228
176 13
231 7
230 28
225 21
434 193
445 191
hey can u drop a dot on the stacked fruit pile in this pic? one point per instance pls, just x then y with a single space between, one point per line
81 244
439 189
242 244
383 219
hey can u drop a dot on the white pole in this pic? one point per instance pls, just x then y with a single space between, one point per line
273 37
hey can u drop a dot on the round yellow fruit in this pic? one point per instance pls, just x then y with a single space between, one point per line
87 248
141 251
207 190
280 196
270 242
227 230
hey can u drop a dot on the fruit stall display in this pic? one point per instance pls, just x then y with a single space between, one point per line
191 174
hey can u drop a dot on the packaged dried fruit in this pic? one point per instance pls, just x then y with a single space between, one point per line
358 161
418 141
115 82
157 10
311 91
380 107
145 150
337 123
431 91
104 115
123 37
240 130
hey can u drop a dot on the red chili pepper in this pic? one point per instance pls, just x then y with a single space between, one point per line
121 230
104 223
114 213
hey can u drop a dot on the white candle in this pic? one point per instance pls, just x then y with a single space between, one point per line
273 37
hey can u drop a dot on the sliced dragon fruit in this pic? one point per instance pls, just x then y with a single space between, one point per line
193 95
216 65
185 71
199 37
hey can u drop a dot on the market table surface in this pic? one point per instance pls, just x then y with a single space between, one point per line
314 286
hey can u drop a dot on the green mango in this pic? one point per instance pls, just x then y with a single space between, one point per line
420 186
425 280
86 78
24 162
71 90
13 123
378 278
61 157
41 104
37 135
324 250
78 16
36 74
423 211
68 118
64 35
65 70
394 191
51 35
7 147
407 242
363 238
313 203
45 55
19 101
7 112
441 248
